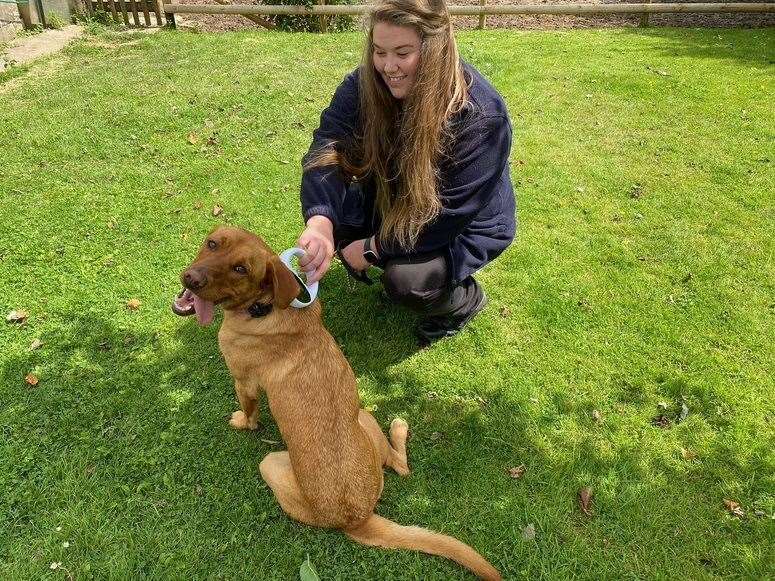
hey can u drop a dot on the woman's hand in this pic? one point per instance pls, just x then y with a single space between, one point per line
317 240
353 254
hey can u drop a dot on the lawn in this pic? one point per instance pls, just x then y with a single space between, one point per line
641 285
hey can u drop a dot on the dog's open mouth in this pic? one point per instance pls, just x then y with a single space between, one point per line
187 303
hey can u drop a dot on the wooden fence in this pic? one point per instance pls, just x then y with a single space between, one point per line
122 8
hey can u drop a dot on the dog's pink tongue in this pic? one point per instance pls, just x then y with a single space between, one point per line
204 311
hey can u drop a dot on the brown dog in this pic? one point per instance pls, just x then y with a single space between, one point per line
331 475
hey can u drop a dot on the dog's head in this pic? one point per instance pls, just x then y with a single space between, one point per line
234 268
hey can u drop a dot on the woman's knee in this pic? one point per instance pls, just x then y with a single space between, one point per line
416 285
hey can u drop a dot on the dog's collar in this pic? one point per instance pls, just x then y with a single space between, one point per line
257 310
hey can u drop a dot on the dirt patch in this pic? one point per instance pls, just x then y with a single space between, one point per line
27 48
223 23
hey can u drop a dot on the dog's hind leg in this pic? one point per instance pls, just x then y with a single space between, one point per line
277 472
393 453
399 432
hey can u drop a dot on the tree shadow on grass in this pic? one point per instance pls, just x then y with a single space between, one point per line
752 48
373 333
125 443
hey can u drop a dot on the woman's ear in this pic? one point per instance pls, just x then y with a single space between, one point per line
284 285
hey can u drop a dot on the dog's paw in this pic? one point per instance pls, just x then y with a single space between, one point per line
239 421
399 429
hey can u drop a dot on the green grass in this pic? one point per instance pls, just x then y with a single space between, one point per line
606 302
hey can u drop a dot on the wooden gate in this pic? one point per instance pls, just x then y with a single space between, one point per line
127 10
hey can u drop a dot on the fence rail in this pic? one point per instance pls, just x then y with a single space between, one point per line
511 9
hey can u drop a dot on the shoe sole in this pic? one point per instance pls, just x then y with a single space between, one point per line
483 301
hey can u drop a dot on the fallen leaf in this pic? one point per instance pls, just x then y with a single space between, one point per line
517 471
662 406
529 532
272 442
32 379
217 210
307 571
16 317
597 416
198 490
760 514
585 497
66 545
688 454
432 395
636 191
682 415
112 224
198 205
436 436
505 312
58 529
54 566
661 421
36 344
133 304
193 138
734 508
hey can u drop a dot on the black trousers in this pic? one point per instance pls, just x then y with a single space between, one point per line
421 281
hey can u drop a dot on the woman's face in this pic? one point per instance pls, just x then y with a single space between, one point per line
396 56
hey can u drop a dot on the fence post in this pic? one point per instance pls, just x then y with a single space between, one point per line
644 18
169 17
482 16
323 18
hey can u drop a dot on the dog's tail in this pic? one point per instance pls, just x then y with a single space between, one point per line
381 532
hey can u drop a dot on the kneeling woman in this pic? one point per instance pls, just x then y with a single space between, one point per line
409 169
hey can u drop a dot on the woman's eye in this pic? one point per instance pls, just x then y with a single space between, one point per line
211 244
240 269
403 54
379 53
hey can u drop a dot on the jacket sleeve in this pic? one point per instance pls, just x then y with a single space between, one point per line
322 188
468 184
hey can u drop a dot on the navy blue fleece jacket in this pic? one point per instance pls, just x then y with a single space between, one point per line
478 217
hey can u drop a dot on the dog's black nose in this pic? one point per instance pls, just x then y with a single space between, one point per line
194 279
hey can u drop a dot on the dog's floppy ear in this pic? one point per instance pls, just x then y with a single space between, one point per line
284 285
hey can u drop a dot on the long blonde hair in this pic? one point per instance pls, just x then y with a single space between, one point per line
403 140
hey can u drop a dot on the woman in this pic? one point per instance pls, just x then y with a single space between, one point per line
409 170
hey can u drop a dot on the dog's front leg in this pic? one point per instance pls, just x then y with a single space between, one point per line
247 417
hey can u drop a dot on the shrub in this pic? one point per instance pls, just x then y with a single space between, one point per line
311 23
55 22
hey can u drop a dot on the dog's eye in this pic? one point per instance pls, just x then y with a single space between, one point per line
211 244
240 269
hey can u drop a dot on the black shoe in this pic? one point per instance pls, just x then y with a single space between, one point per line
434 328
